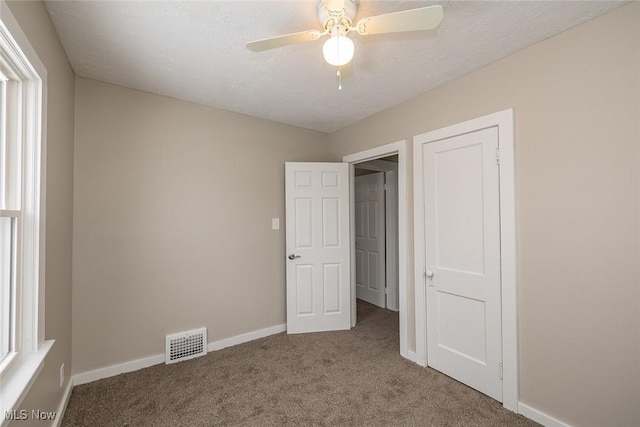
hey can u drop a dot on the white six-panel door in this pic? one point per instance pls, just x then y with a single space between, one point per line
370 232
318 249
462 241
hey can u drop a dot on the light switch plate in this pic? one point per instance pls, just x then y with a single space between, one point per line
275 223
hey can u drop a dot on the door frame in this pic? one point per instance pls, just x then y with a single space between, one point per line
504 121
399 148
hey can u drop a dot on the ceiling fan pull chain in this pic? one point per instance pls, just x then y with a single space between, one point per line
339 76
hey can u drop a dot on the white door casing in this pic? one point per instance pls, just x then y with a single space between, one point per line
391 235
400 148
503 122
462 232
370 238
318 248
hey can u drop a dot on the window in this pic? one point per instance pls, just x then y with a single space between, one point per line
10 145
8 225
7 287
22 345
7 249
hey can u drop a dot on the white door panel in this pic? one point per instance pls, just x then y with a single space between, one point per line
317 237
462 227
370 239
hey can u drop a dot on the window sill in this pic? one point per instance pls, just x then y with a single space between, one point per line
21 376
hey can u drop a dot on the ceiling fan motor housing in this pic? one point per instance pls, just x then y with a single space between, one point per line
340 12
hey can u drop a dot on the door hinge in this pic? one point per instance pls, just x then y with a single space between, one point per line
501 369
386 291
498 156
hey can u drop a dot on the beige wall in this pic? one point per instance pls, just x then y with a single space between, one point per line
172 226
576 98
33 18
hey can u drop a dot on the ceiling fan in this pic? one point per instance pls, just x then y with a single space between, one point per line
337 18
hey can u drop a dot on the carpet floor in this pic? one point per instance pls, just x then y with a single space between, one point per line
352 378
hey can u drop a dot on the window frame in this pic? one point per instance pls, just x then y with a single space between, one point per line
25 195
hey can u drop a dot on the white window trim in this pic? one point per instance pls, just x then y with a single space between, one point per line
25 367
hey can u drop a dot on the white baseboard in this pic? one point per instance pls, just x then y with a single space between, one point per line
63 403
121 368
539 417
134 365
249 336
411 355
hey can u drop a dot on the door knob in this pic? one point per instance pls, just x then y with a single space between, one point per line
429 275
292 256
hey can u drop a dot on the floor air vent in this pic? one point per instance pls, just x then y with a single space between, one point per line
186 345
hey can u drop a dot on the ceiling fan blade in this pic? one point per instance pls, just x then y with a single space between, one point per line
287 39
424 18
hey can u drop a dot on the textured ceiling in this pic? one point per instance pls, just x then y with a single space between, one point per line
195 51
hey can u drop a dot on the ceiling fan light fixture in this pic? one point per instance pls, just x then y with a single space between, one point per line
338 50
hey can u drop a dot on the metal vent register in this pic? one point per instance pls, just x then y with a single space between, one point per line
185 345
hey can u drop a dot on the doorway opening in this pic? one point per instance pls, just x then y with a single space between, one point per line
378 160
376 231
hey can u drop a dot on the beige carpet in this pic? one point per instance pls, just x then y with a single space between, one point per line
350 378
